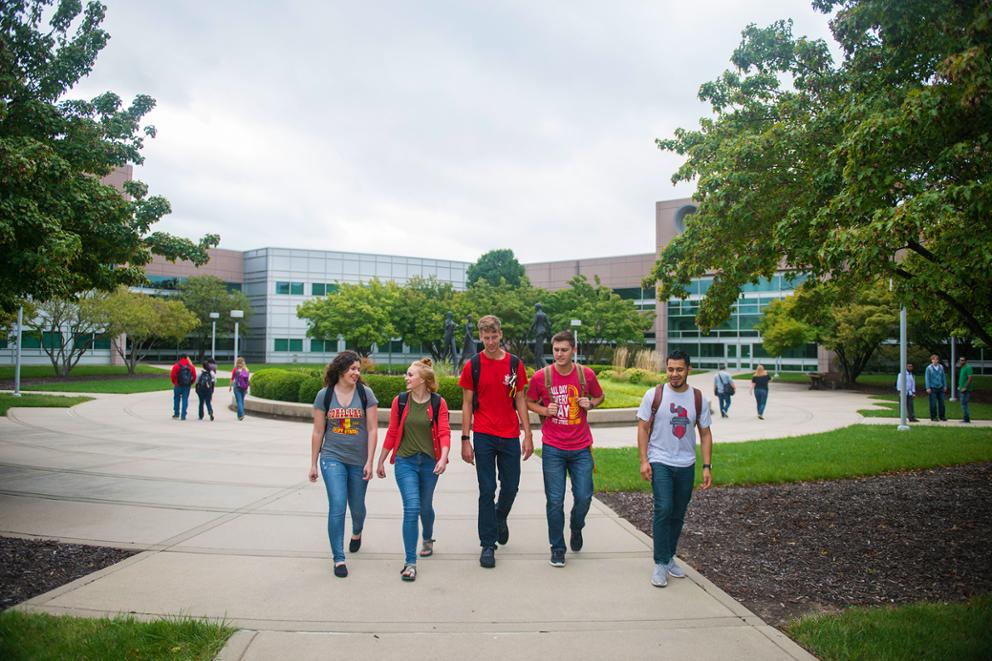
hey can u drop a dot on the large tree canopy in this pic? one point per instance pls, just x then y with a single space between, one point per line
878 166
494 266
61 230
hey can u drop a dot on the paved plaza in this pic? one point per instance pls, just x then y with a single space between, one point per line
231 529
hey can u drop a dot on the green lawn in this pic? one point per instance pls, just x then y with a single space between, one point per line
878 380
783 377
622 395
124 386
978 410
854 451
40 371
922 631
8 401
43 637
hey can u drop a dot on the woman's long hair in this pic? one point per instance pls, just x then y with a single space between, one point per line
760 371
339 366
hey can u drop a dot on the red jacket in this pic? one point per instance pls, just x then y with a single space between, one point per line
441 432
175 372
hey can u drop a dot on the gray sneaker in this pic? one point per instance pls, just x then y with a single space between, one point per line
659 578
674 570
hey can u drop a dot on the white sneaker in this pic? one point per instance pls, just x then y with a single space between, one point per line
659 578
674 569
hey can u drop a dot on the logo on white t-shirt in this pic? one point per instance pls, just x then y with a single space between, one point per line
680 420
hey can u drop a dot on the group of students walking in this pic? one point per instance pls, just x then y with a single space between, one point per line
184 379
495 409
937 384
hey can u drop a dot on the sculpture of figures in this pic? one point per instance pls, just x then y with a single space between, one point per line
468 344
449 349
540 330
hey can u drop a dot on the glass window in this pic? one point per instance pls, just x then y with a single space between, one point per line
281 344
318 289
296 288
282 287
296 344
331 287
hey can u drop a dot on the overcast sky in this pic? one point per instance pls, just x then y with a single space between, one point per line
434 129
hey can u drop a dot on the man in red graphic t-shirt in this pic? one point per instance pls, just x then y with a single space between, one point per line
566 440
494 409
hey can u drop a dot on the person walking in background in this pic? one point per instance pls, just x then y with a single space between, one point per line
935 381
240 380
563 393
343 440
183 376
724 389
419 438
759 388
909 391
965 377
205 387
667 420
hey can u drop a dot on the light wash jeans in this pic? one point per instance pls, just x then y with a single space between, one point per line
578 464
239 397
416 479
345 487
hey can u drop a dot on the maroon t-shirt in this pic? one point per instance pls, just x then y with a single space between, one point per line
497 414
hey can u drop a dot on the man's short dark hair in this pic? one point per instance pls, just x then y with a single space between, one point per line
678 354
183 355
564 336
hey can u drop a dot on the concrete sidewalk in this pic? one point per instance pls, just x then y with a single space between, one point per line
235 532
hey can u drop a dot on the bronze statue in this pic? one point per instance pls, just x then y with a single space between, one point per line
540 330
468 343
449 349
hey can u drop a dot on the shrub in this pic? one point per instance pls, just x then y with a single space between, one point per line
611 374
452 392
385 387
309 387
279 384
641 376
598 368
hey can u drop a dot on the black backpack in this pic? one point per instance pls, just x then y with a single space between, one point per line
185 376
476 362
361 395
404 397
204 382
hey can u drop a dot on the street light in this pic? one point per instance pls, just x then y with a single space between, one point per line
739 301
576 323
17 367
236 314
214 316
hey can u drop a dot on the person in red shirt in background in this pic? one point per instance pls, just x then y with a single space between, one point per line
494 409
183 377
566 440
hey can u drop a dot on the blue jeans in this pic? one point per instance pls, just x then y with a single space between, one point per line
239 397
492 454
761 397
206 398
345 486
416 479
965 413
578 464
180 394
672 488
724 402
937 404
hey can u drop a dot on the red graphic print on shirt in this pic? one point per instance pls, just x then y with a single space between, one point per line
345 421
680 420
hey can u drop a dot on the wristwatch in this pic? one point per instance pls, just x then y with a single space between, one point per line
466 437
710 466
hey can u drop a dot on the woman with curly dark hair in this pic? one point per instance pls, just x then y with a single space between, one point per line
345 432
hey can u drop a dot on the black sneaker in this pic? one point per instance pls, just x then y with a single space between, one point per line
488 557
355 544
557 558
576 541
502 532
340 570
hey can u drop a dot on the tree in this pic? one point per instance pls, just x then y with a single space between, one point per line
205 294
878 167
418 316
780 329
61 230
606 318
144 319
66 329
514 305
494 266
362 314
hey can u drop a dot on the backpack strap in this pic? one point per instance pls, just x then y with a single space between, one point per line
401 402
547 381
328 393
363 396
476 363
582 380
514 365
697 395
655 404
435 408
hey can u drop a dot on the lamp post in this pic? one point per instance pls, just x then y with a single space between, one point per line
236 314
903 424
17 361
739 299
954 361
214 316
576 324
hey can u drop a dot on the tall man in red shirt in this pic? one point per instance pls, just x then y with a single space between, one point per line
566 440
494 409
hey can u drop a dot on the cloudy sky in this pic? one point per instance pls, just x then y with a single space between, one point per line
434 128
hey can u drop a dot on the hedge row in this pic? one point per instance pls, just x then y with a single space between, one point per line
303 386
634 375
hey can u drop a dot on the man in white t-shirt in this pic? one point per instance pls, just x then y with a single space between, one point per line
666 439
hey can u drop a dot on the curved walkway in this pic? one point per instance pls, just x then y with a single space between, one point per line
233 530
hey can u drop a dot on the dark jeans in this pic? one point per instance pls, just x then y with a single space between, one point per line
724 402
206 398
937 404
492 454
965 413
672 489
180 394
578 464
761 397
910 408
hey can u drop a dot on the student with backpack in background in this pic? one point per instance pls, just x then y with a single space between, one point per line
563 393
494 408
666 441
205 387
183 377
420 438
240 380
345 433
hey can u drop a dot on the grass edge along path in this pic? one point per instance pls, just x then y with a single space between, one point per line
923 630
921 405
40 636
855 451
8 401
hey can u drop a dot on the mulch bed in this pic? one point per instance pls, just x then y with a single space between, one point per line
29 567
787 550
